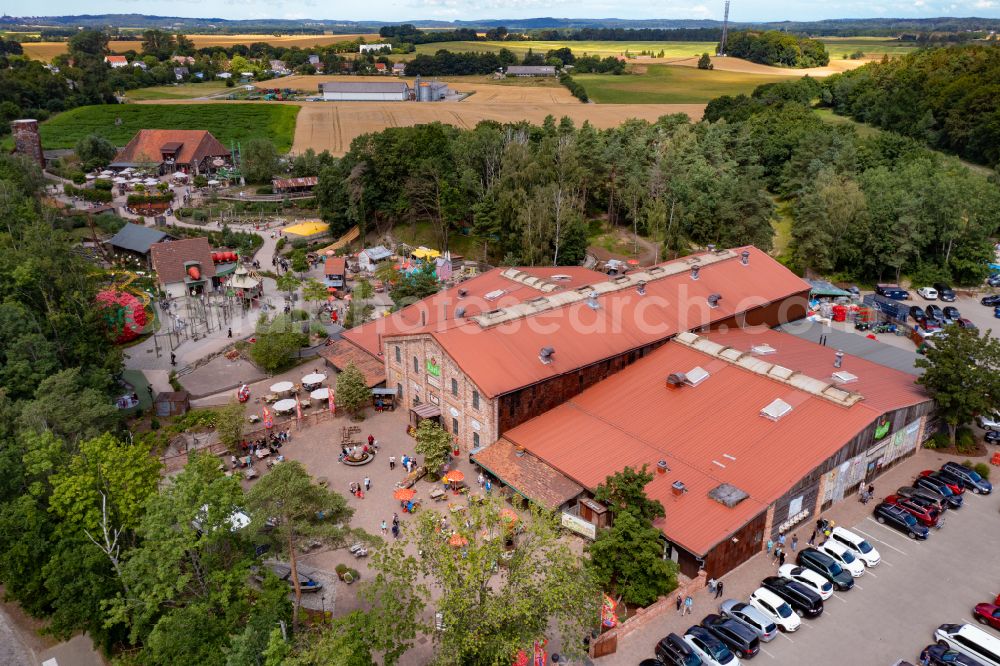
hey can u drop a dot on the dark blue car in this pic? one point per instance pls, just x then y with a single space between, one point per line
900 519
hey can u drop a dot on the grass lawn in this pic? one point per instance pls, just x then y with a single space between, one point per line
423 233
227 122
872 47
668 84
179 91
782 225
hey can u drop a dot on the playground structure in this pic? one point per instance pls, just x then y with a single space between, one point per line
352 234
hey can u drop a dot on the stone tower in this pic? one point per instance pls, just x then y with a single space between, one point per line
27 140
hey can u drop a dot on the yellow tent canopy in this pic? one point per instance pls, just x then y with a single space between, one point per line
425 253
311 228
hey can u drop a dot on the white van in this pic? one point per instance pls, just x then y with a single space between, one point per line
970 641
862 550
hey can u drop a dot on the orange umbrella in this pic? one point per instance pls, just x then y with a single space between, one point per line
454 475
509 515
404 494
457 540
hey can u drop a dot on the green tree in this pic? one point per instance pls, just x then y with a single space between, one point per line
259 160
962 374
315 292
68 408
434 444
95 151
626 491
230 423
628 558
287 500
278 341
362 289
287 283
415 286
705 62
157 43
352 391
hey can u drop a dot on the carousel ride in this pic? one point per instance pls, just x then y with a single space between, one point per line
125 307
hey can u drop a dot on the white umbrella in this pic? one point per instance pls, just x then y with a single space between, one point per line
180 175
320 394
90 176
107 173
285 405
119 180
152 182
213 182
281 387
136 180
127 170
314 378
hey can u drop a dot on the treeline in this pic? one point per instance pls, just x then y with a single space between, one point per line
448 63
779 49
631 35
865 208
946 97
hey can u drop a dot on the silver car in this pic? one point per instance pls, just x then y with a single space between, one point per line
750 617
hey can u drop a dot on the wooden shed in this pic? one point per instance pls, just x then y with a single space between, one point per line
172 403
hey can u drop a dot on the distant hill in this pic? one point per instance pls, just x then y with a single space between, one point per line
873 26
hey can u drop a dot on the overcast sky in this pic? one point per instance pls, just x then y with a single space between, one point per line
399 10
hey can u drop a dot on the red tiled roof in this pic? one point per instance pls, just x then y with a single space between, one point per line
196 145
342 353
335 266
580 335
169 259
284 183
632 419
528 475
115 58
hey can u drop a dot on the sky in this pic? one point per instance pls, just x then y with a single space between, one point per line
400 10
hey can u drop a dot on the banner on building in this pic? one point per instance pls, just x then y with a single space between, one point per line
268 421
332 405
608 617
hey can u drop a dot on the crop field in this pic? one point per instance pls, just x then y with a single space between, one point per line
872 47
179 91
670 49
226 122
48 50
665 84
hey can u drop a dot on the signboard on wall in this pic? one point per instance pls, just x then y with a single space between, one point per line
433 367
882 429
579 525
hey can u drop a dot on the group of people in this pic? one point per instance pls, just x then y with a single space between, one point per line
359 489
273 441
395 526
867 494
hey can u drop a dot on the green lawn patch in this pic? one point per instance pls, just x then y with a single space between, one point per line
669 84
227 122
179 91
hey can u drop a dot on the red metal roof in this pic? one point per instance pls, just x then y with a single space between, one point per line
335 266
580 335
285 183
711 433
196 145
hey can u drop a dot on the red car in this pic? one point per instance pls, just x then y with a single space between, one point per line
933 473
988 614
924 515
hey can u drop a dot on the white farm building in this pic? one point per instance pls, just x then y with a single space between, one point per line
374 48
350 91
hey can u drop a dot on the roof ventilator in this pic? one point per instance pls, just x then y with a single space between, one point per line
545 355
694 272
776 409
676 380
763 349
494 295
713 300
641 288
459 312
592 301
727 495
745 257
678 488
838 358
462 293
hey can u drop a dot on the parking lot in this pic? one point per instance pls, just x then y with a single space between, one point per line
893 609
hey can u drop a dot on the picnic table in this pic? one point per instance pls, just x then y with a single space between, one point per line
270 398
250 474
262 453
413 477
437 494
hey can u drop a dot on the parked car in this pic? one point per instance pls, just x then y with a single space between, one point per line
991 300
965 323
928 293
935 312
988 614
893 291
993 280
954 485
924 515
937 655
929 324
951 313
970 641
988 421
843 556
932 483
944 292
933 498
996 311
861 549
917 312
809 578
284 572
750 617
992 437
826 567
803 601
898 518
709 649
776 608
741 640
969 478
674 651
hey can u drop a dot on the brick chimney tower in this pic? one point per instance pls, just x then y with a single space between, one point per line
27 140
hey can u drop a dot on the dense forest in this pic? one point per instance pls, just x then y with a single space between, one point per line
866 208
780 49
948 98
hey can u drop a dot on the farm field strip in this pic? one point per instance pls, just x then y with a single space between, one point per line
665 84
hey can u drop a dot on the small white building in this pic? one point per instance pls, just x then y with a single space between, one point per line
350 91
116 61
374 48
371 257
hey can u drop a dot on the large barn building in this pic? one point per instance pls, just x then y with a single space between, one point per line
365 91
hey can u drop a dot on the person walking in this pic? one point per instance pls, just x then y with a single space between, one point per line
777 553
718 589
770 545
481 479
384 527
812 539
368 484
711 585
680 604
795 542
392 462
395 519
781 558
371 439
688 605
781 540
395 530
230 332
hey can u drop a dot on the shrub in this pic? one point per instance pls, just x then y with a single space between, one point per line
281 243
317 328
341 569
185 212
938 440
574 87
265 189
154 424
982 469
300 244
199 215
965 441
299 315
354 574
103 184
199 181
78 177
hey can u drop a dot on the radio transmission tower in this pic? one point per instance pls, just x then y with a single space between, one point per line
725 31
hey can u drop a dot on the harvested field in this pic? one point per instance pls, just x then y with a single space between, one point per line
741 66
332 126
484 89
48 50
